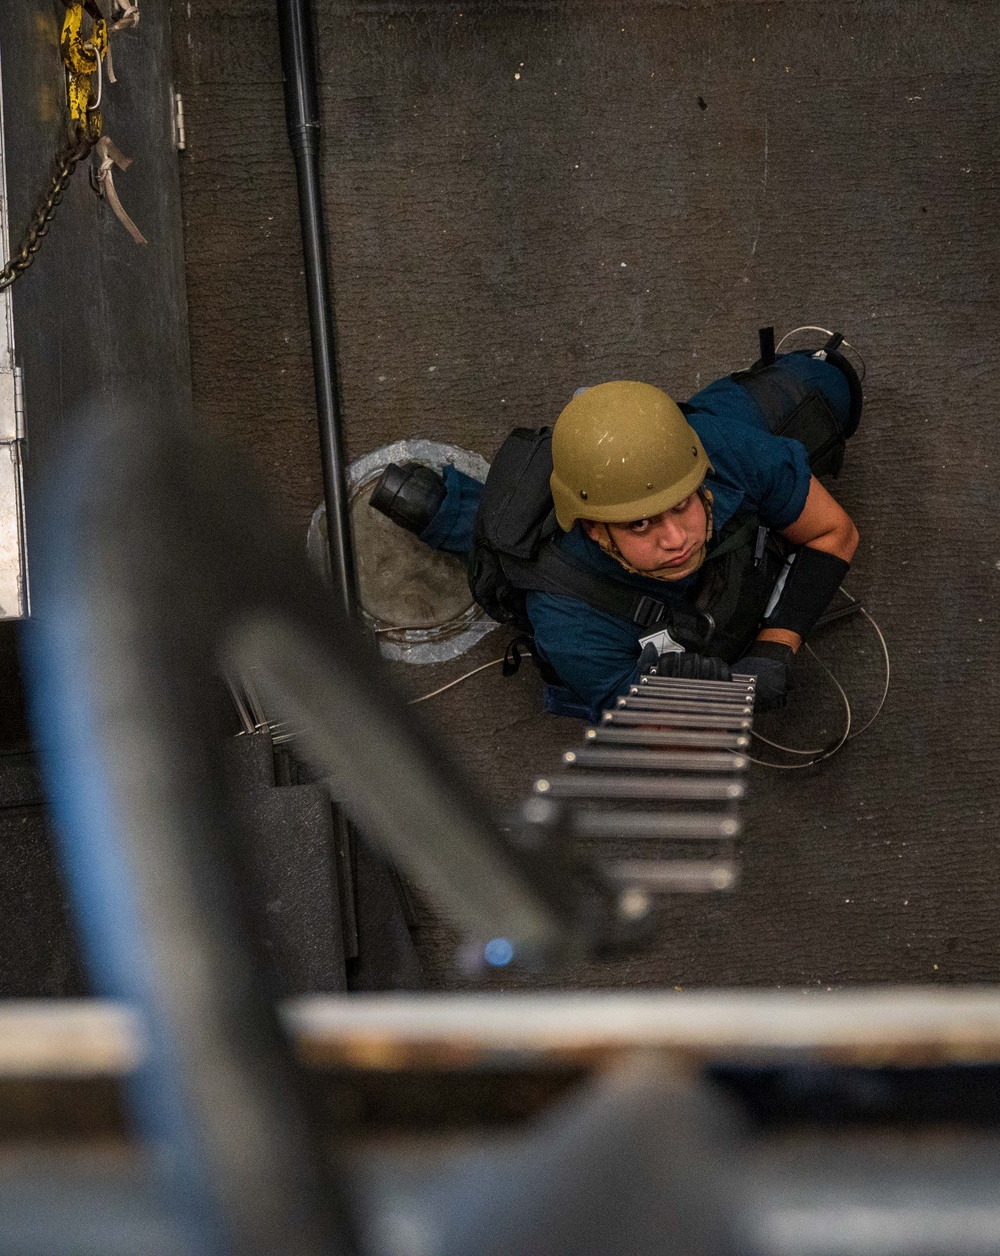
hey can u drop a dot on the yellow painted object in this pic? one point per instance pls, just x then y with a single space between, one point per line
83 57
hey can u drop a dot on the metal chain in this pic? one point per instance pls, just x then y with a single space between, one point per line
66 163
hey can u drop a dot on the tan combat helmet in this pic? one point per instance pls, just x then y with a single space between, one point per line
623 451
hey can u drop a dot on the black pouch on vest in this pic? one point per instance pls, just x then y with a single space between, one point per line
515 516
798 412
793 409
737 583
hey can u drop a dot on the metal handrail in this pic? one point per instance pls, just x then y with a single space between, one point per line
303 120
159 564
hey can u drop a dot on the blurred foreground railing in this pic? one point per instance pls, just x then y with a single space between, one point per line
158 566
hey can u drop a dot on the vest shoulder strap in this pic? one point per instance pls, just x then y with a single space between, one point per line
731 540
553 572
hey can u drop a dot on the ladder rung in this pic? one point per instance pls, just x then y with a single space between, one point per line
694 687
671 875
631 719
604 785
652 702
682 825
711 740
625 759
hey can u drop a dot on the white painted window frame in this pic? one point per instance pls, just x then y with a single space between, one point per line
14 593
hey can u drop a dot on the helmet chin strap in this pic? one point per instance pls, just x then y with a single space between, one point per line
606 542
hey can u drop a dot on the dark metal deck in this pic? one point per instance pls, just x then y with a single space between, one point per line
524 198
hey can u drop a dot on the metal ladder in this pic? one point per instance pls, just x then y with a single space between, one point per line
666 765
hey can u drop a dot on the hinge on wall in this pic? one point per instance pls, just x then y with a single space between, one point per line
180 137
19 402
14 591
12 426
9 419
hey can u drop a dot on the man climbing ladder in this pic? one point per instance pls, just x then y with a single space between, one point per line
639 534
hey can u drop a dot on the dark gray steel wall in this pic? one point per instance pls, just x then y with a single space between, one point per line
96 320
659 180
96 316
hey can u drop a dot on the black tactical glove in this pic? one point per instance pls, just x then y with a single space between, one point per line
771 663
409 494
689 666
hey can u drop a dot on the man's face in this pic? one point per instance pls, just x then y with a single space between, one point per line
669 544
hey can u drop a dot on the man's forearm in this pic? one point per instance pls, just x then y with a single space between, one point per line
823 525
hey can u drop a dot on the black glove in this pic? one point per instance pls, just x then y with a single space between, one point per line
771 663
689 666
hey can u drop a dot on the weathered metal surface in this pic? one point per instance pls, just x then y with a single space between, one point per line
96 315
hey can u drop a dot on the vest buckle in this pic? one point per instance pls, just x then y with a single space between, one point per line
649 611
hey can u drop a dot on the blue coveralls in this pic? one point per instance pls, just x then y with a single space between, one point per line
595 653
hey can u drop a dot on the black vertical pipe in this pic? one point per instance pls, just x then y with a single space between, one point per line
302 113
298 64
